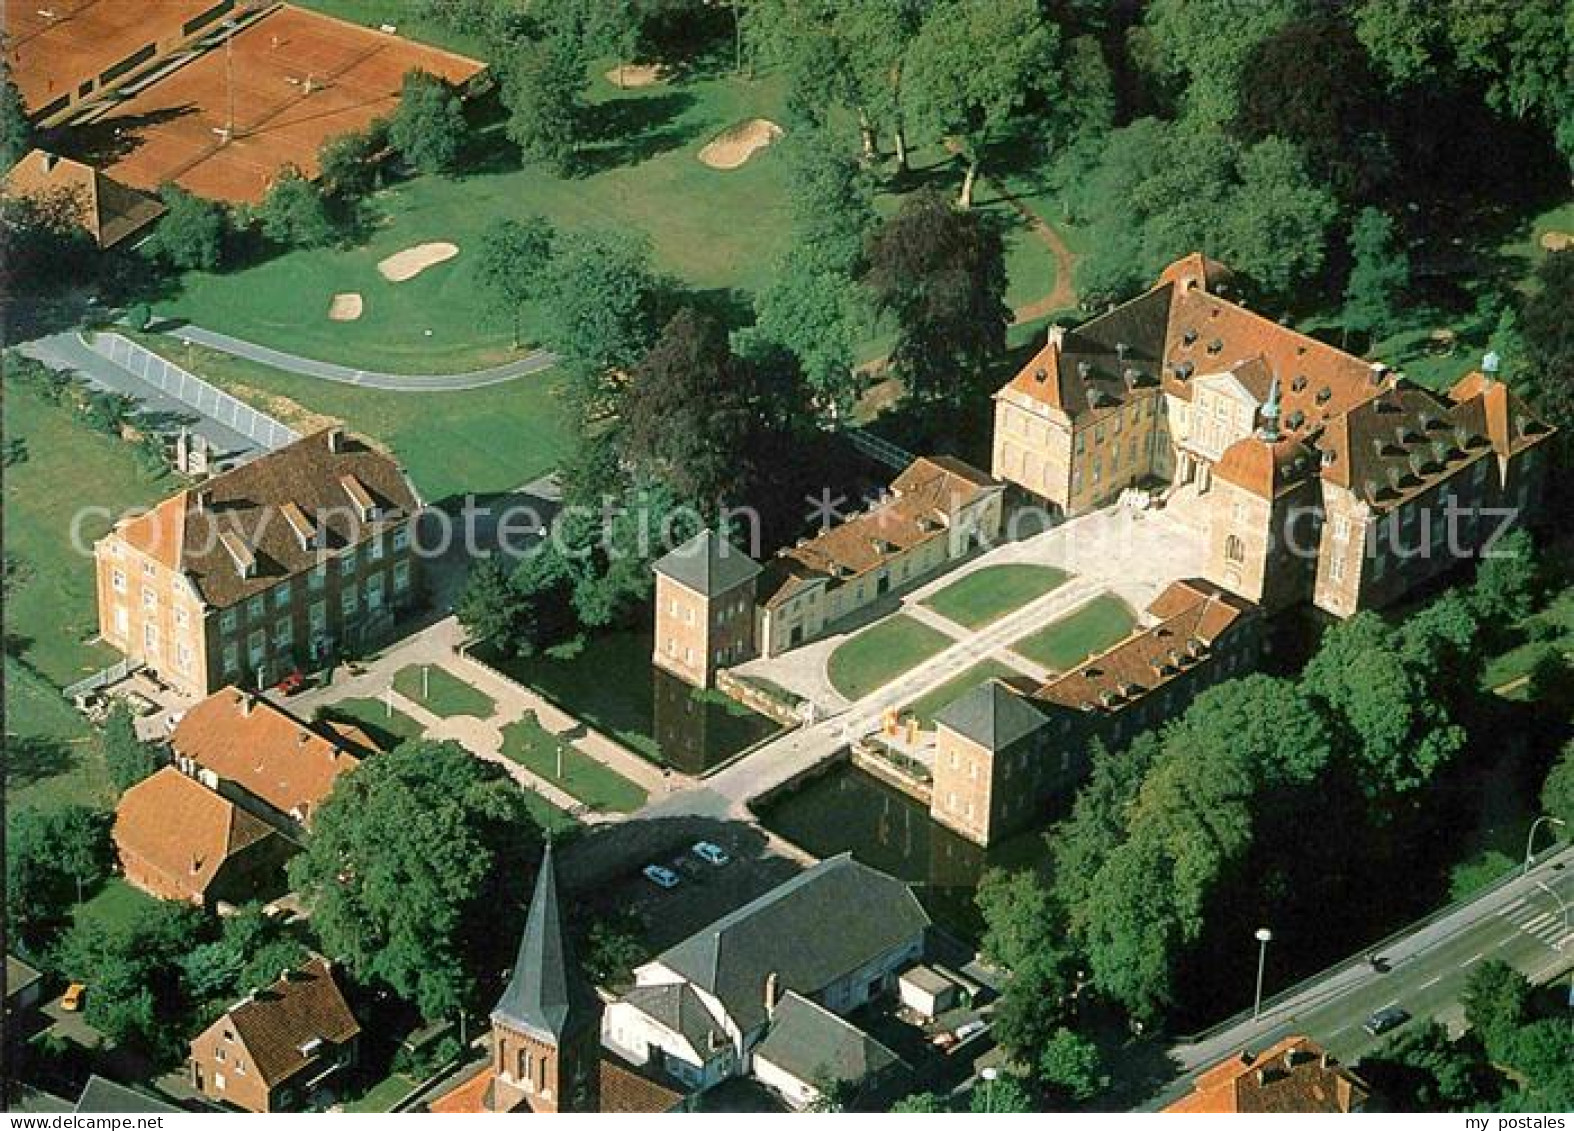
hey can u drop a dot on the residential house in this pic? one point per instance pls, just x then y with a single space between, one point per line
276 564
1003 753
108 211
179 840
260 756
1319 476
808 1047
1296 1076
282 1048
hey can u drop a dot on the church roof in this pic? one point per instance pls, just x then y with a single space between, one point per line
545 997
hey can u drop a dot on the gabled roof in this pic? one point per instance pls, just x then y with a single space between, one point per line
183 829
1266 468
184 532
802 932
1510 423
811 1043
18 976
105 1096
992 715
263 749
1295 1076
546 995
284 1026
677 1006
708 564
108 210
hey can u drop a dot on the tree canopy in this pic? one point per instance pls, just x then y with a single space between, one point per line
429 125
190 234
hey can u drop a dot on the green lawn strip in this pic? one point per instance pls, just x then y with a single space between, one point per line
114 903
879 654
442 693
1065 643
372 716
483 441
407 19
927 706
529 744
553 821
990 593
1553 627
53 757
70 473
382 1095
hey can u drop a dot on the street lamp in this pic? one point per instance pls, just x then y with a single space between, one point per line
989 1074
1264 937
1563 906
1530 839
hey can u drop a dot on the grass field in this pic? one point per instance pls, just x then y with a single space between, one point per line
407 17
113 904
445 694
1094 627
928 706
879 654
483 441
372 716
990 593
529 744
382 1095
716 231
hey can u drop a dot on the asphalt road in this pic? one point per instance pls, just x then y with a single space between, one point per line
1424 973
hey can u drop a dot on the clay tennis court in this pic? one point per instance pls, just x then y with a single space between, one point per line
54 46
299 78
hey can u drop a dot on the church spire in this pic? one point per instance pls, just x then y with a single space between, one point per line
545 995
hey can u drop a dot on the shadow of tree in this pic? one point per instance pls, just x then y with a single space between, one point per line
116 136
31 758
632 129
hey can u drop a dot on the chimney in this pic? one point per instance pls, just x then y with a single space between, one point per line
771 994
1326 1061
1057 335
49 159
246 704
336 439
202 499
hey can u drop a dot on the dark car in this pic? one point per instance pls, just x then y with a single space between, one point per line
1389 1017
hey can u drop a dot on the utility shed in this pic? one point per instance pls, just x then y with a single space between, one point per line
927 992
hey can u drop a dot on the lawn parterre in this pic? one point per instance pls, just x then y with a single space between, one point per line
990 593
532 746
926 707
442 693
879 654
388 728
1096 626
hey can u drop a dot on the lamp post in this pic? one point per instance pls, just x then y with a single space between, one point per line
989 1075
1264 937
1563 906
1530 838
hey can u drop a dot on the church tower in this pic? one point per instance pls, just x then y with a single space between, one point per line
546 1028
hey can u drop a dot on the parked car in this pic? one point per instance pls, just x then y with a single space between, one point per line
1389 1017
71 1000
291 683
660 876
711 853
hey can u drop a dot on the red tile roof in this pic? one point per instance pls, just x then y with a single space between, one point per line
182 829
108 210
284 1026
1294 1077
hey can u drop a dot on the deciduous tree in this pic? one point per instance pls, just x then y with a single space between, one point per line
1379 274
293 213
128 758
16 131
350 164
1557 792
429 125
51 858
544 90
190 234
512 265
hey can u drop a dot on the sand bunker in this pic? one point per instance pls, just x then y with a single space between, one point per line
632 76
345 307
1557 241
410 262
737 145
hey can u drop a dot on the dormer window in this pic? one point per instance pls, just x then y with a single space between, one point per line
304 529
240 554
359 497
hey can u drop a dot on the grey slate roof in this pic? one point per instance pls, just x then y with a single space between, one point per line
708 564
545 996
992 715
18 976
809 931
811 1042
679 1008
101 1095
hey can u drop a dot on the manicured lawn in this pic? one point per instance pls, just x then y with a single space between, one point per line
114 903
483 441
442 693
1068 641
72 475
554 821
529 744
53 756
929 705
372 716
990 593
406 15
879 654
1556 621
382 1095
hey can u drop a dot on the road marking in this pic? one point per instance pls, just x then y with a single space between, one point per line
1472 958
1433 982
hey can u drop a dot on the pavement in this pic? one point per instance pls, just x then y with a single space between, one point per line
533 362
1423 972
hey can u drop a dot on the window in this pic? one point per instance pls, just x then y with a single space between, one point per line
1341 528
317 617
375 550
1336 567
149 598
1234 549
283 634
122 621
374 592
281 596
401 538
401 574
1098 434
257 647
347 601
347 564
1082 442
149 569
182 618
227 620
150 637
231 658
317 577
117 580
183 657
256 607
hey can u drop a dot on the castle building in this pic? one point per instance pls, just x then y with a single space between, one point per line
704 608
1319 477
274 565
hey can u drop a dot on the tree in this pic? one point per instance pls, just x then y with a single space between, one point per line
1557 792
1004 1095
139 316
129 759
1098 821
614 945
831 1093
601 302
920 1103
16 130
1507 579
1276 228
818 315
429 125
190 234
293 213
43 245
941 273
52 857
1024 931
830 198
1072 1065
1549 339
544 90
1496 1000
350 164
685 417
1204 45
412 850
1422 1070
513 261
1379 274
972 66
